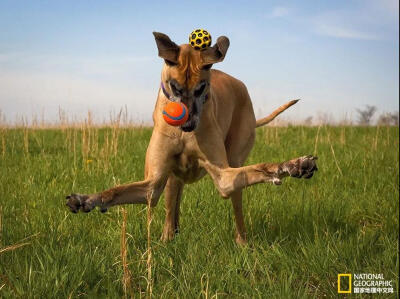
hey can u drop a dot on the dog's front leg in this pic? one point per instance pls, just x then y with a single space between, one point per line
159 160
173 194
240 235
135 193
228 180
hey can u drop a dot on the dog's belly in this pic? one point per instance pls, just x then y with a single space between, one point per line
188 168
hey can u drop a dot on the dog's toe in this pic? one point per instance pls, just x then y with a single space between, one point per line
302 167
308 166
77 202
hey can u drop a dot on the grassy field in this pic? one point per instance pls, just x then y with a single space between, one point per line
301 234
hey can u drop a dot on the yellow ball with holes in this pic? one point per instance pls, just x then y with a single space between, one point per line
200 39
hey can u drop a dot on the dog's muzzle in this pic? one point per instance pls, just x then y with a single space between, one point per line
194 109
194 114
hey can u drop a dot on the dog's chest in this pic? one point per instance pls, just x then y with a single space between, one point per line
188 168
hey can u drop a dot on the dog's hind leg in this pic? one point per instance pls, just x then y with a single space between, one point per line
238 144
173 194
237 150
237 204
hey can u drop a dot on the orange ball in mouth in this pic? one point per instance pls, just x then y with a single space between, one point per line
175 113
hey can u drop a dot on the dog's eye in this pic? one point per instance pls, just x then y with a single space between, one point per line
175 89
206 67
199 91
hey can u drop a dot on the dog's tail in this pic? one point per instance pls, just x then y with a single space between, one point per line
271 117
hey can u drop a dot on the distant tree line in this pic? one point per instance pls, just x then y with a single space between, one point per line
365 117
385 119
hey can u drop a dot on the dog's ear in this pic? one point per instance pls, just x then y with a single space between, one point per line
217 52
167 49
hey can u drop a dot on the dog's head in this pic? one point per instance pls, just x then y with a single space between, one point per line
186 73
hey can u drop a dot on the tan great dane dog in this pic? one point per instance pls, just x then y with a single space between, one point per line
216 139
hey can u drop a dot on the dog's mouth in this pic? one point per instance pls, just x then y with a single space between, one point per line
191 124
195 108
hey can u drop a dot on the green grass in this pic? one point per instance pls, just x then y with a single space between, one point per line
301 234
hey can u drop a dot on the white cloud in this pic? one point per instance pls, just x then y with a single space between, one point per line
342 32
279 11
79 65
362 23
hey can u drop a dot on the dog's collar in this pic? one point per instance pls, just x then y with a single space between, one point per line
168 96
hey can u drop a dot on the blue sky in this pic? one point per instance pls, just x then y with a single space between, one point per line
100 55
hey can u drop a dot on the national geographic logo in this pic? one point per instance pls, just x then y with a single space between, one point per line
344 287
364 283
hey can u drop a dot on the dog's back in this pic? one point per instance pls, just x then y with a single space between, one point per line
231 100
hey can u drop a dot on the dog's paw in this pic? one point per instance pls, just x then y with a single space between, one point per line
302 167
241 240
169 233
77 202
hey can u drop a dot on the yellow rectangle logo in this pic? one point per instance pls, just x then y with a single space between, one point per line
340 291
